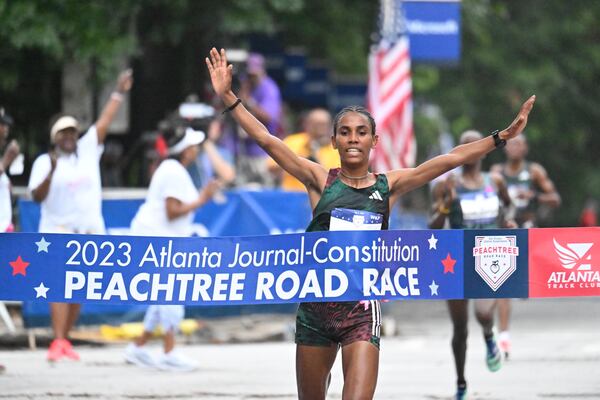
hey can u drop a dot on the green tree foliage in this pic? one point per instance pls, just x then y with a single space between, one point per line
64 30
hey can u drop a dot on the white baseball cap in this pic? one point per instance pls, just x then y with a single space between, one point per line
191 138
63 123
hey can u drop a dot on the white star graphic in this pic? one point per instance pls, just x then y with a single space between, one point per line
42 245
434 287
432 242
41 291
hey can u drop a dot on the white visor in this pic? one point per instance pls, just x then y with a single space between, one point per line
63 123
191 138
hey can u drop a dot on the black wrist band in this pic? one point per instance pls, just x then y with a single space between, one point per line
499 143
231 107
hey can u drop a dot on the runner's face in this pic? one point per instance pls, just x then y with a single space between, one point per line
516 149
354 139
318 126
189 155
470 137
66 140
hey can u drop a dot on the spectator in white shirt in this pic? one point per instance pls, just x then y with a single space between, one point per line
169 211
66 181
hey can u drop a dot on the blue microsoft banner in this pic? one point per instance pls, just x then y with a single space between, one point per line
433 29
319 266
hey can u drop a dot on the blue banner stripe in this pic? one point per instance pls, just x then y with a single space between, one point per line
319 266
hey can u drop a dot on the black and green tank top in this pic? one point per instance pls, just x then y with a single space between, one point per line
477 208
521 181
374 198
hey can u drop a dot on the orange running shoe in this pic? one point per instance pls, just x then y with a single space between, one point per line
67 350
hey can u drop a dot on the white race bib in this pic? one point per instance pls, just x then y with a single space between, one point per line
344 219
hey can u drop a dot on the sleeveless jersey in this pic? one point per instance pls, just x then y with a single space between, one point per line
342 323
475 208
522 181
375 198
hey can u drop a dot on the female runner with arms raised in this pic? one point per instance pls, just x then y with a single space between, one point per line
321 328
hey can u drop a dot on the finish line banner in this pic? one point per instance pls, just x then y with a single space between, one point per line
318 266
323 266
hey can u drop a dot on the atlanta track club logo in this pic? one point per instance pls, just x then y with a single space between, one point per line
564 262
495 258
574 255
576 258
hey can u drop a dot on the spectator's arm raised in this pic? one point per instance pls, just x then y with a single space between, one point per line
109 111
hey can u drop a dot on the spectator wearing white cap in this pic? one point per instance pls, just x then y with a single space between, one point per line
169 211
66 181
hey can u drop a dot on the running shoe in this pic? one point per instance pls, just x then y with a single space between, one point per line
504 343
174 361
461 393
493 356
55 351
139 356
67 349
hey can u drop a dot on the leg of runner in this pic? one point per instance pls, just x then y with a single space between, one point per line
60 319
313 366
73 315
504 311
459 313
360 363
484 311
169 340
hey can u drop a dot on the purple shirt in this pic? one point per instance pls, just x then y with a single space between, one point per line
268 97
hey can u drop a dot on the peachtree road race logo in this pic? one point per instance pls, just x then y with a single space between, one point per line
495 258
577 259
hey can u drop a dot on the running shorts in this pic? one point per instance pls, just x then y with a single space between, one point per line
324 324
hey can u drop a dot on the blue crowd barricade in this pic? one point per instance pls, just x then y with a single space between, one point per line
235 213
36 313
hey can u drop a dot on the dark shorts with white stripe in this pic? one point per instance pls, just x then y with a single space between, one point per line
324 324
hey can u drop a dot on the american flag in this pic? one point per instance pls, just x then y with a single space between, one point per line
390 92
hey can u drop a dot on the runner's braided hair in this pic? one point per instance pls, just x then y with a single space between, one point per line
356 109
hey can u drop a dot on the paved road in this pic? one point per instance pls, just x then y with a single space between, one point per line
556 356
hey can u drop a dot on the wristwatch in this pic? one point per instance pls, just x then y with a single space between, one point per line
499 143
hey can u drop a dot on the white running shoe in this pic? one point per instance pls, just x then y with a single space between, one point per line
175 361
138 355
